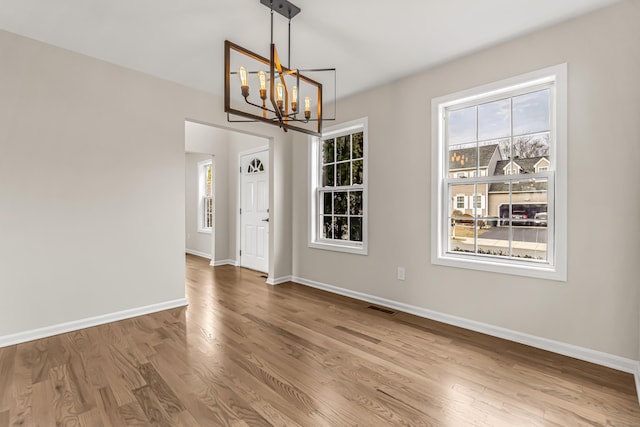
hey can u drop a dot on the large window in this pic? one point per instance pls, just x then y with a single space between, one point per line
205 196
499 176
339 189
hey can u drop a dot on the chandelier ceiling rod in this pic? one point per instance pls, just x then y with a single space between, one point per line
290 14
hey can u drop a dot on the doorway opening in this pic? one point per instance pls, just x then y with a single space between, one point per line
223 243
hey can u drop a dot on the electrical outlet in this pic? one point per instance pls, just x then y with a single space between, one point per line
400 273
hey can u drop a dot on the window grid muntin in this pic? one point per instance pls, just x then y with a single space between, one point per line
333 189
207 212
547 177
475 180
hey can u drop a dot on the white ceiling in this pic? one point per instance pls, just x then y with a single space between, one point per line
370 42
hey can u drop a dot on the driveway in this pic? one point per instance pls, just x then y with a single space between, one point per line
520 234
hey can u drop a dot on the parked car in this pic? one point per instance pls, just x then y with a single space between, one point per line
540 219
519 216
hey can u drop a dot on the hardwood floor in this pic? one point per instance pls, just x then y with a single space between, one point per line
247 354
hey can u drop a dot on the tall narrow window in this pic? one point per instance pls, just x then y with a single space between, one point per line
339 189
205 196
502 147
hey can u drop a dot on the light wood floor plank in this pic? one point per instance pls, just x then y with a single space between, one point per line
247 354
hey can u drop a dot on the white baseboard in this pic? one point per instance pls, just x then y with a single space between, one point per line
75 325
636 375
278 280
586 354
224 262
197 253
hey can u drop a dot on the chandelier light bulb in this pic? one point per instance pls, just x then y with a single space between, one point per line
279 94
242 73
244 82
262 78
294 98
307 107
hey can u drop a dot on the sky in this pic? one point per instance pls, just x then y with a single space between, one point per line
529 112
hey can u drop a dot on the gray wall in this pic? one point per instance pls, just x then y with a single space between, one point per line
598 307
92 185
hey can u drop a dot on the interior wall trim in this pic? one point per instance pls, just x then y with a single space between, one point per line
279 280
61 328
636 375
224 262
197 253
600 358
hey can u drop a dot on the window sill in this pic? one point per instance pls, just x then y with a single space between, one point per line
540 271
351 249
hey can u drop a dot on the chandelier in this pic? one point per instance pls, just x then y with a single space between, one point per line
264 90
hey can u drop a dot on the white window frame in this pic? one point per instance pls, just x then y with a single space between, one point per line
315 178
202 167
556 268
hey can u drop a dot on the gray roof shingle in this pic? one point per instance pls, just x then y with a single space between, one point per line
467 158
528 166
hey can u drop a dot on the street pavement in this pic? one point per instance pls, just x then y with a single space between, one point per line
530 241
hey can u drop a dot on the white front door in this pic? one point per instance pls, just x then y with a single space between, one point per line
254 211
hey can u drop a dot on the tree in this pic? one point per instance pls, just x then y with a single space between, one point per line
525 147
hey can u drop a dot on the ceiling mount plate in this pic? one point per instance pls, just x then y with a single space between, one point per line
283 7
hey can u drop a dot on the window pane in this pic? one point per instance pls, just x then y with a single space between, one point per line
529 242
343 149
493 232
529 196
327 197
355 229
208 215
494 119
355 203
209 181
343 176
462 233
327 227
463 160
531 113
358 172
341 230
523 222
460 200
357 142
461 125
327 176
327 151
531 146
340 202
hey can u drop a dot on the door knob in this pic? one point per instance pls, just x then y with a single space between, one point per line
266 220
